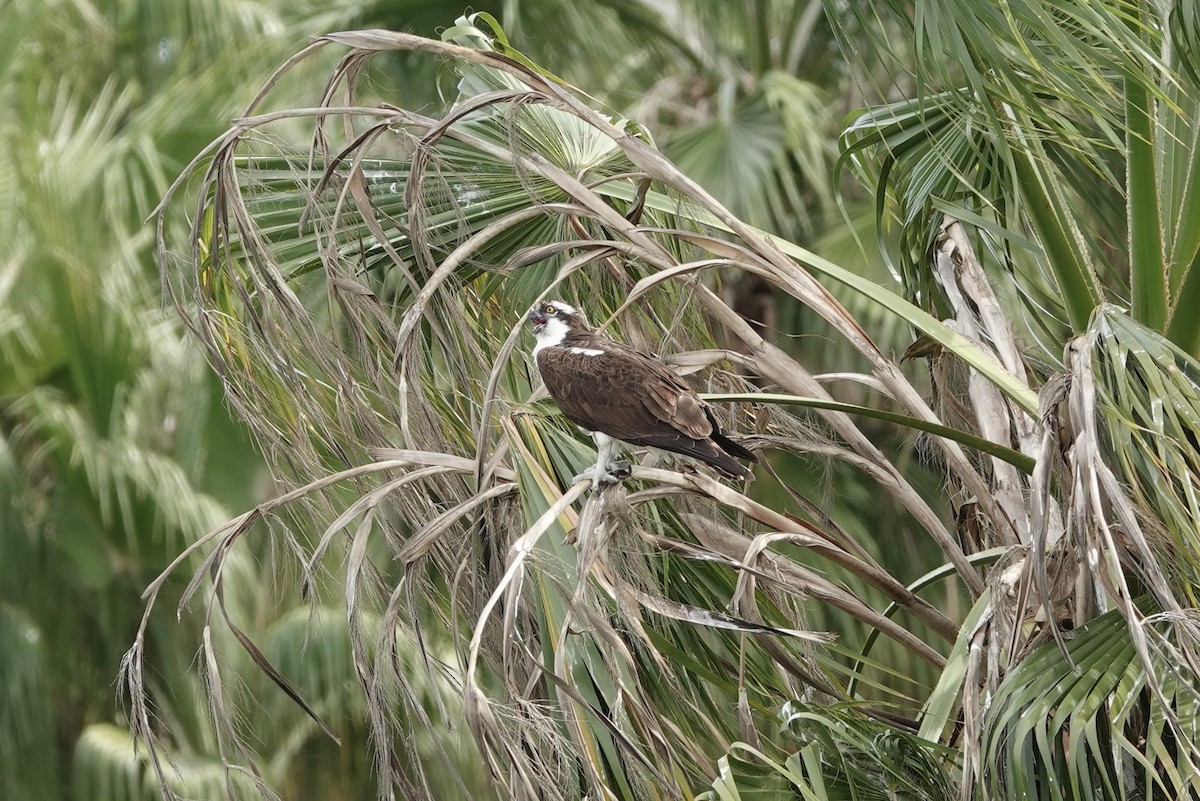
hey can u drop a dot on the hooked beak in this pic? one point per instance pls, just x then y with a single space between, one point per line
537 320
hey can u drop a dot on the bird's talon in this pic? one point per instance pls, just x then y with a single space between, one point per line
620 470
615 473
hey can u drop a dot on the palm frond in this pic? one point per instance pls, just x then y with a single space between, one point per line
1148 399
839 755
108 765
1084 721
1052 132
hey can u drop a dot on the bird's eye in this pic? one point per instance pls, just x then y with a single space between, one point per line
551 309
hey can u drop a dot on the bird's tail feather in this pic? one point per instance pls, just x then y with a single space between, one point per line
726 466
731 447
723 459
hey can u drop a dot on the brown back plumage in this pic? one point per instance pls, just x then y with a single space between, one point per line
603 385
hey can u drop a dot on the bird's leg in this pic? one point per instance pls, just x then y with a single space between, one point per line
606 471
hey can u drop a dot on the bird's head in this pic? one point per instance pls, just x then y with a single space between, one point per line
552 319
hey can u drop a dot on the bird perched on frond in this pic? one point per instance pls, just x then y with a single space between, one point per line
617 393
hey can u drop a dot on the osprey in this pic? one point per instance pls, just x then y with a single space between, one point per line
615 392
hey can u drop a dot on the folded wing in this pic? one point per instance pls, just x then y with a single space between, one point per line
631 396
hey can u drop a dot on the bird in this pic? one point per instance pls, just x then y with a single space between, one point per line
618 394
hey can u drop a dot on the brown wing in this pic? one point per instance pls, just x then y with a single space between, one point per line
625 394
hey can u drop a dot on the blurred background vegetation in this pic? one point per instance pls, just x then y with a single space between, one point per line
118 449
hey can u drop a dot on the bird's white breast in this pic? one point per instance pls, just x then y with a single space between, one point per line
553 333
